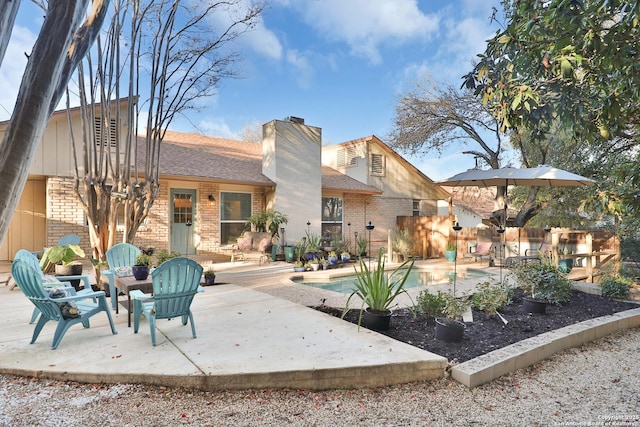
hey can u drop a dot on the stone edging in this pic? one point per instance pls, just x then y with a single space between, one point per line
492 365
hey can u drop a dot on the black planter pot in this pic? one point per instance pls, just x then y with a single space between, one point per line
210 280
532 305
449 330
376 320
140 272
70 270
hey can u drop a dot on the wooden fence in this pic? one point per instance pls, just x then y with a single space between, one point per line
591 250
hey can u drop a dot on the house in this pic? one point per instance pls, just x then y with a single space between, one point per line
209 186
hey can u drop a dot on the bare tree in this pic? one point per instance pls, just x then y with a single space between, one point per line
167 56
435 119
68 31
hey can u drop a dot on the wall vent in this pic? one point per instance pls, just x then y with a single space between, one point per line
296 120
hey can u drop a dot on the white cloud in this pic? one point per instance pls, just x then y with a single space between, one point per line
304 71
218 127
365 25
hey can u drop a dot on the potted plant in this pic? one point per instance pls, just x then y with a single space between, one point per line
542 283
378 289
332 257
298 266
60 259
450 252
565 264
313 245
210 277
140 269
324 263
315 264
345 256
402 243
450 328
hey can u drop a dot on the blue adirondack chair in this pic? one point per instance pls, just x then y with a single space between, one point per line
175 283
119 256
69 239
48 281
28 280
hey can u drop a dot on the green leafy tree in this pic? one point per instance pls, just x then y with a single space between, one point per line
572 60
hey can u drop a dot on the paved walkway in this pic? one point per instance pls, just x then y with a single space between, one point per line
254 331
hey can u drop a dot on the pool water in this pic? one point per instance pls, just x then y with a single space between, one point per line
416 279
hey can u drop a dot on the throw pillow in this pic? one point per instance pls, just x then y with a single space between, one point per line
264 244
69 309
123 271
244 243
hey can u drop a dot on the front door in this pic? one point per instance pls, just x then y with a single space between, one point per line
183 204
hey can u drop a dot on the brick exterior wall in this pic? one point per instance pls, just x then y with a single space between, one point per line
64 213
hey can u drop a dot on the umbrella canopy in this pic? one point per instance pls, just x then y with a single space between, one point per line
541 176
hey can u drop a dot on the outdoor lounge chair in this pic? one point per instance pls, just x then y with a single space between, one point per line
119 256
67 310
482 249
175 283
50 281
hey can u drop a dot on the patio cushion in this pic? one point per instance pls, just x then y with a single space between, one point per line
69 309
244 243
123 271
264 244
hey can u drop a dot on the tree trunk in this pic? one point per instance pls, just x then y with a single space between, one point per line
60 45
8 12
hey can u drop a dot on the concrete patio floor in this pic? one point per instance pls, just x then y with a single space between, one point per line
247 338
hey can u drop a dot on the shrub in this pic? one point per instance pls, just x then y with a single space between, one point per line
164 255
491 296
543 281
430 305
615 287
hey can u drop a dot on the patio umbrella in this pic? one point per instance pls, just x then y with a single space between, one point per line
540 176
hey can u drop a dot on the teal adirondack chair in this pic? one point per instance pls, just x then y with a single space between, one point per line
118 256
69 239
175 283
28 280
46 281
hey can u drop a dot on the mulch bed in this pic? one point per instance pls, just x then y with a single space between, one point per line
485 333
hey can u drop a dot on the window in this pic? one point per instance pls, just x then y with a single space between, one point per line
378 164
235 208
332 218
416 208
111 134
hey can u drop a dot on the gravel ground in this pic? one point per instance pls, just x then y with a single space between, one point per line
596 384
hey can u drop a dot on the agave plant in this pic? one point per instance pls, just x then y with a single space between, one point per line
377 288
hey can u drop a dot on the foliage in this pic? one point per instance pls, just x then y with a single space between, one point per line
59 254
361 245
575 61
430 305
377 288
301 249
268 221
454 306
615 283
164 255
491 296
143 259
618 288
402 241
542 281
149 250
451 246
313 242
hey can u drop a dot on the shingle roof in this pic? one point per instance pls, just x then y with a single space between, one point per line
199 156
334 180
193 155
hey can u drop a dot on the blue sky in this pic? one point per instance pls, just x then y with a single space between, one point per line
339 64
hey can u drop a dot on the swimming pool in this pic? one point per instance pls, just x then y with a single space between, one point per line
417 278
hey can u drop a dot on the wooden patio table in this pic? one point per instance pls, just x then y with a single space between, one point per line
127 284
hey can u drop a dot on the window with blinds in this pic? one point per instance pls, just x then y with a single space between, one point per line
347 157
378 164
